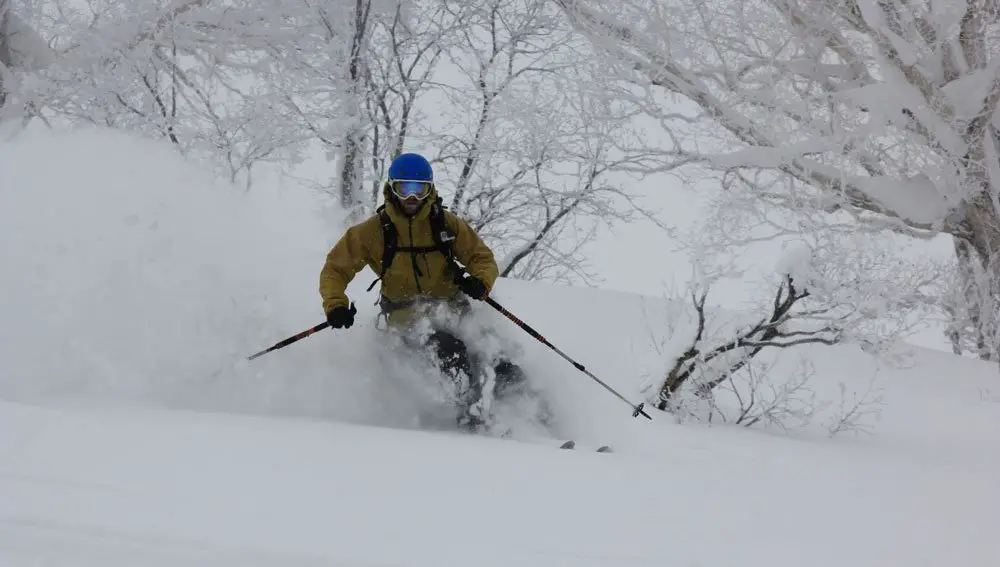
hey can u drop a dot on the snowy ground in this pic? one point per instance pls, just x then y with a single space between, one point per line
132 433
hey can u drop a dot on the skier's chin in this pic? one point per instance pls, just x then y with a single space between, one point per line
411 208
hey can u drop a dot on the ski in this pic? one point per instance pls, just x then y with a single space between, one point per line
572 445
568 444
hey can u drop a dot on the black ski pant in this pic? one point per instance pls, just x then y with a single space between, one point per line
453 356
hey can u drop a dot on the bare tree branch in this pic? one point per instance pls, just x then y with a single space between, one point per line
770 332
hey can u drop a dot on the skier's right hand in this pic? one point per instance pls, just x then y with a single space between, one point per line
341 316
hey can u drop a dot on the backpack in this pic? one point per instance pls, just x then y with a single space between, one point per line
443 239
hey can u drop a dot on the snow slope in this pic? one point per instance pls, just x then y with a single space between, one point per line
133 433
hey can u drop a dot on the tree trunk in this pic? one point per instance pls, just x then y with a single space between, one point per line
6 60
353 145
978 253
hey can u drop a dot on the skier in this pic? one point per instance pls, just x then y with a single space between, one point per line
412 243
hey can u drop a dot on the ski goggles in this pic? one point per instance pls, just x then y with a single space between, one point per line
411 189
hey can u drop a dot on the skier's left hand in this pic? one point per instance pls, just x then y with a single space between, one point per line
473 287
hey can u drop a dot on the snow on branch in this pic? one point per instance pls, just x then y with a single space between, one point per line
773 331
864 99
738 371
886 113
916 200
22 49
842 289
21 46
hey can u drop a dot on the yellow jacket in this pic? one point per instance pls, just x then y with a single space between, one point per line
412 275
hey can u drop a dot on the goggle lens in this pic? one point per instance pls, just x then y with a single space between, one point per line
417 189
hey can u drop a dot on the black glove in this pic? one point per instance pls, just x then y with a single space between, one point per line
473 287
341 316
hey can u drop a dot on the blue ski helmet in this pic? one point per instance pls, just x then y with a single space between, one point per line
411 167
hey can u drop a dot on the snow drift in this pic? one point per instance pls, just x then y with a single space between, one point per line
134 287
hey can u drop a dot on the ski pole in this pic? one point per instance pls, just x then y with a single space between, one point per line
297 337
636 409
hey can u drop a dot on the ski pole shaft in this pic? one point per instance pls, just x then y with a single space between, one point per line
291 340
295 338
637 410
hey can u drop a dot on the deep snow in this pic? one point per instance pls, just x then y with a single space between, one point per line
132 432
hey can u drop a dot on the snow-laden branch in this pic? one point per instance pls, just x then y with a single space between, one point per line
771 331
779 109
886 111
22 49
831 292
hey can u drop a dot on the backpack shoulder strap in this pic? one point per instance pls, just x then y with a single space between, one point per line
389 239
444 236
389 242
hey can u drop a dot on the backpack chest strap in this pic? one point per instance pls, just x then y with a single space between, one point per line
443 238
418 249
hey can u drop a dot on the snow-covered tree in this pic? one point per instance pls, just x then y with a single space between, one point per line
875 112
829 291
352 154
525 137
21 49
6 52
501 97
216 80
406 50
